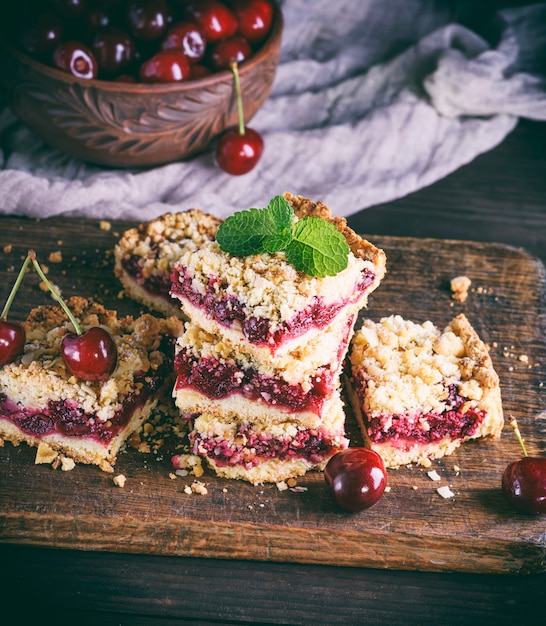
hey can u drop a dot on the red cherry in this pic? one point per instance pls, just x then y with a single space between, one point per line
187 38
524 481
12 341
237 154
147 19
223 53
114 50
356 477
199 71
164 67
254 18
239 149
75 58
41 35
90 356
217 21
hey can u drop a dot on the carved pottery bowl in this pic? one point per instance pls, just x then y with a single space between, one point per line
120 124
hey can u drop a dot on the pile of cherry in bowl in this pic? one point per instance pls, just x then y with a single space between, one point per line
141 40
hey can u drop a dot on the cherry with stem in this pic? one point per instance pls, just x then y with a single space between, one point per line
91 355
12 335
524 480
239 149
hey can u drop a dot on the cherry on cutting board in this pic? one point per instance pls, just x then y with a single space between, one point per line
12 335
91 355
524 480
357 478
239 149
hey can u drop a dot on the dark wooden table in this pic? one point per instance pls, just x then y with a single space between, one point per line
500 197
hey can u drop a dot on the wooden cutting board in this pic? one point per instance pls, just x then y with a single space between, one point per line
411 527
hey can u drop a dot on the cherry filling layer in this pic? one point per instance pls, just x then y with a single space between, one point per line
249 448
227 310
155 284
453 423
217 379
68 419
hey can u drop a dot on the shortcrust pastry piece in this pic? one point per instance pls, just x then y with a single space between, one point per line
214 376
145 255
261 302
419 392
42 403
261 452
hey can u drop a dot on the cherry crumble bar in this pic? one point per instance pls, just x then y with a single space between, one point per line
144 256
419 392
41 402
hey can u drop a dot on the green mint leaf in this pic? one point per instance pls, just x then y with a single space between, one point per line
257 230
317 248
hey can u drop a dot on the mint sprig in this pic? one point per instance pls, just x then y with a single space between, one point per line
312 245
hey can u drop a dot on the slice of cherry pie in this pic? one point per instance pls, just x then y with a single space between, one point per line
419 391
41 402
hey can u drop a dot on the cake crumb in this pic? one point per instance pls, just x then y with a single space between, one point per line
172 475
8 248
433 475
198 487
119 480
67 464
45 454
282 486
459 288
106 467
524 358
445 492
105 225
387 489
188 462
291 482
55 257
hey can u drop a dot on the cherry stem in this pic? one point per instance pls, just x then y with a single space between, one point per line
54 293
14 289
514 425
240 112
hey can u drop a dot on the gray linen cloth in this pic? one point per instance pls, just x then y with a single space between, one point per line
373 99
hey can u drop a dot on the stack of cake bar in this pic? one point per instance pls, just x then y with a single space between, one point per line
258 367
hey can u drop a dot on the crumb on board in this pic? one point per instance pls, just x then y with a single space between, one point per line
8 248
445 492
106 467
459 288
281 485
55 257
433 475
45 454
119 480
105 225
196 487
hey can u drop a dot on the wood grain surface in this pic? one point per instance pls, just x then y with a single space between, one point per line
411 528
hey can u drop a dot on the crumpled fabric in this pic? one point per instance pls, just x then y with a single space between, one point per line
372 100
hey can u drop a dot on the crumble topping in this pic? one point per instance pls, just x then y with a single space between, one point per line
408 366
159 243
266 284
459 288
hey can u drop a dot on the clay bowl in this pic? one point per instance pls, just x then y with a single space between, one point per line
134 124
